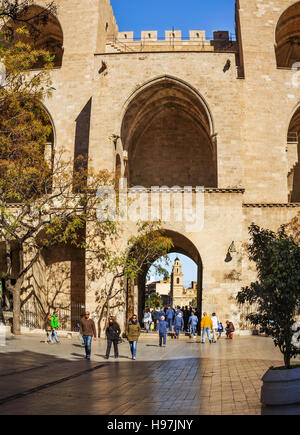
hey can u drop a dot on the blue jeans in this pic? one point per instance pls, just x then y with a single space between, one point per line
54 335
207 330
177 330
162 337
88 344
133 345
170 321
193 329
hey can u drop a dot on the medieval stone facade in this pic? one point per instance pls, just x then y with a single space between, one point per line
223 114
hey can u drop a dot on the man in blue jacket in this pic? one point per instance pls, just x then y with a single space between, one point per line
178 324
169 317
162 329
193 321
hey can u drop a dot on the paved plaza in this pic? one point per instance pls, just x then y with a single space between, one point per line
185 378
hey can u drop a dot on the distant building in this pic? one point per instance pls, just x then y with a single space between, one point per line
180 295
163 288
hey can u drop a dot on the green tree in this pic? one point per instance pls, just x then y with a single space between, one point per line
153 301
276 293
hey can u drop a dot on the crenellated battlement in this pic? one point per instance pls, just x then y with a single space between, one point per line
173 40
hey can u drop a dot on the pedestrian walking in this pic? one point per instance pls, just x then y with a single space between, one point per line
133 332
178 324
154 316
88 331
169 317
54 326
215 327
229 329
206 325
220 329
192 322
162 329
113 332
147 319
48 329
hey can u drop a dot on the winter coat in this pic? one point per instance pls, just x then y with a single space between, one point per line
160 314
193 320
54 322
206 322
48 325
133 331
154 315
169 314
230 327
113 331
179 323
162 327
147 317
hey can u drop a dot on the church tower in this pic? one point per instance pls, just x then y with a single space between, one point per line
177 283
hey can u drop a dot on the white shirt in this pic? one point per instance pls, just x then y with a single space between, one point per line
215 322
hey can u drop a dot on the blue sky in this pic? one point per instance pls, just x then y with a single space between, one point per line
185 15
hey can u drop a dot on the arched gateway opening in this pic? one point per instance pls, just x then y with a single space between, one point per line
287 46
293 148
167 132
136 291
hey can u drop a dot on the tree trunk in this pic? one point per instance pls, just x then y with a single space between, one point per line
17 309
287 361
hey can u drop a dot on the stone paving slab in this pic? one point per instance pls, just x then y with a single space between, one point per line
185 378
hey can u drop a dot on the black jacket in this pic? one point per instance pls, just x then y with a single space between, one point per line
113 332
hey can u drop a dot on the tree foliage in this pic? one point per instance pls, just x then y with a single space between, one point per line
276 293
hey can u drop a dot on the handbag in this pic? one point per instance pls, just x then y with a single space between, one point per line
120 340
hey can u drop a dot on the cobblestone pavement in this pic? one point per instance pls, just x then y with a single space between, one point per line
185 378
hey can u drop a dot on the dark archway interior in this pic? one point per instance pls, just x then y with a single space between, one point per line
288 37
45 32
293 137
182 245
167 133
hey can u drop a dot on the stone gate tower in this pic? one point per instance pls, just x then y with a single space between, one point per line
216 111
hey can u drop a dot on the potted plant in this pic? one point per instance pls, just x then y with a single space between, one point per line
275 297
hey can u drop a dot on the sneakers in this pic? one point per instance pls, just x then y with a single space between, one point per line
134 358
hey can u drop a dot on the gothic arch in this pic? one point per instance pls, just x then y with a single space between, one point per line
293 156
45 32
287 37
181 244
167 131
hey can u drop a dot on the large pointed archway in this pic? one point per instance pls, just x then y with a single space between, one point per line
136 291
167 132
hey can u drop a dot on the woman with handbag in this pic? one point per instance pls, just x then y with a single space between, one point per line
133 333
113 332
